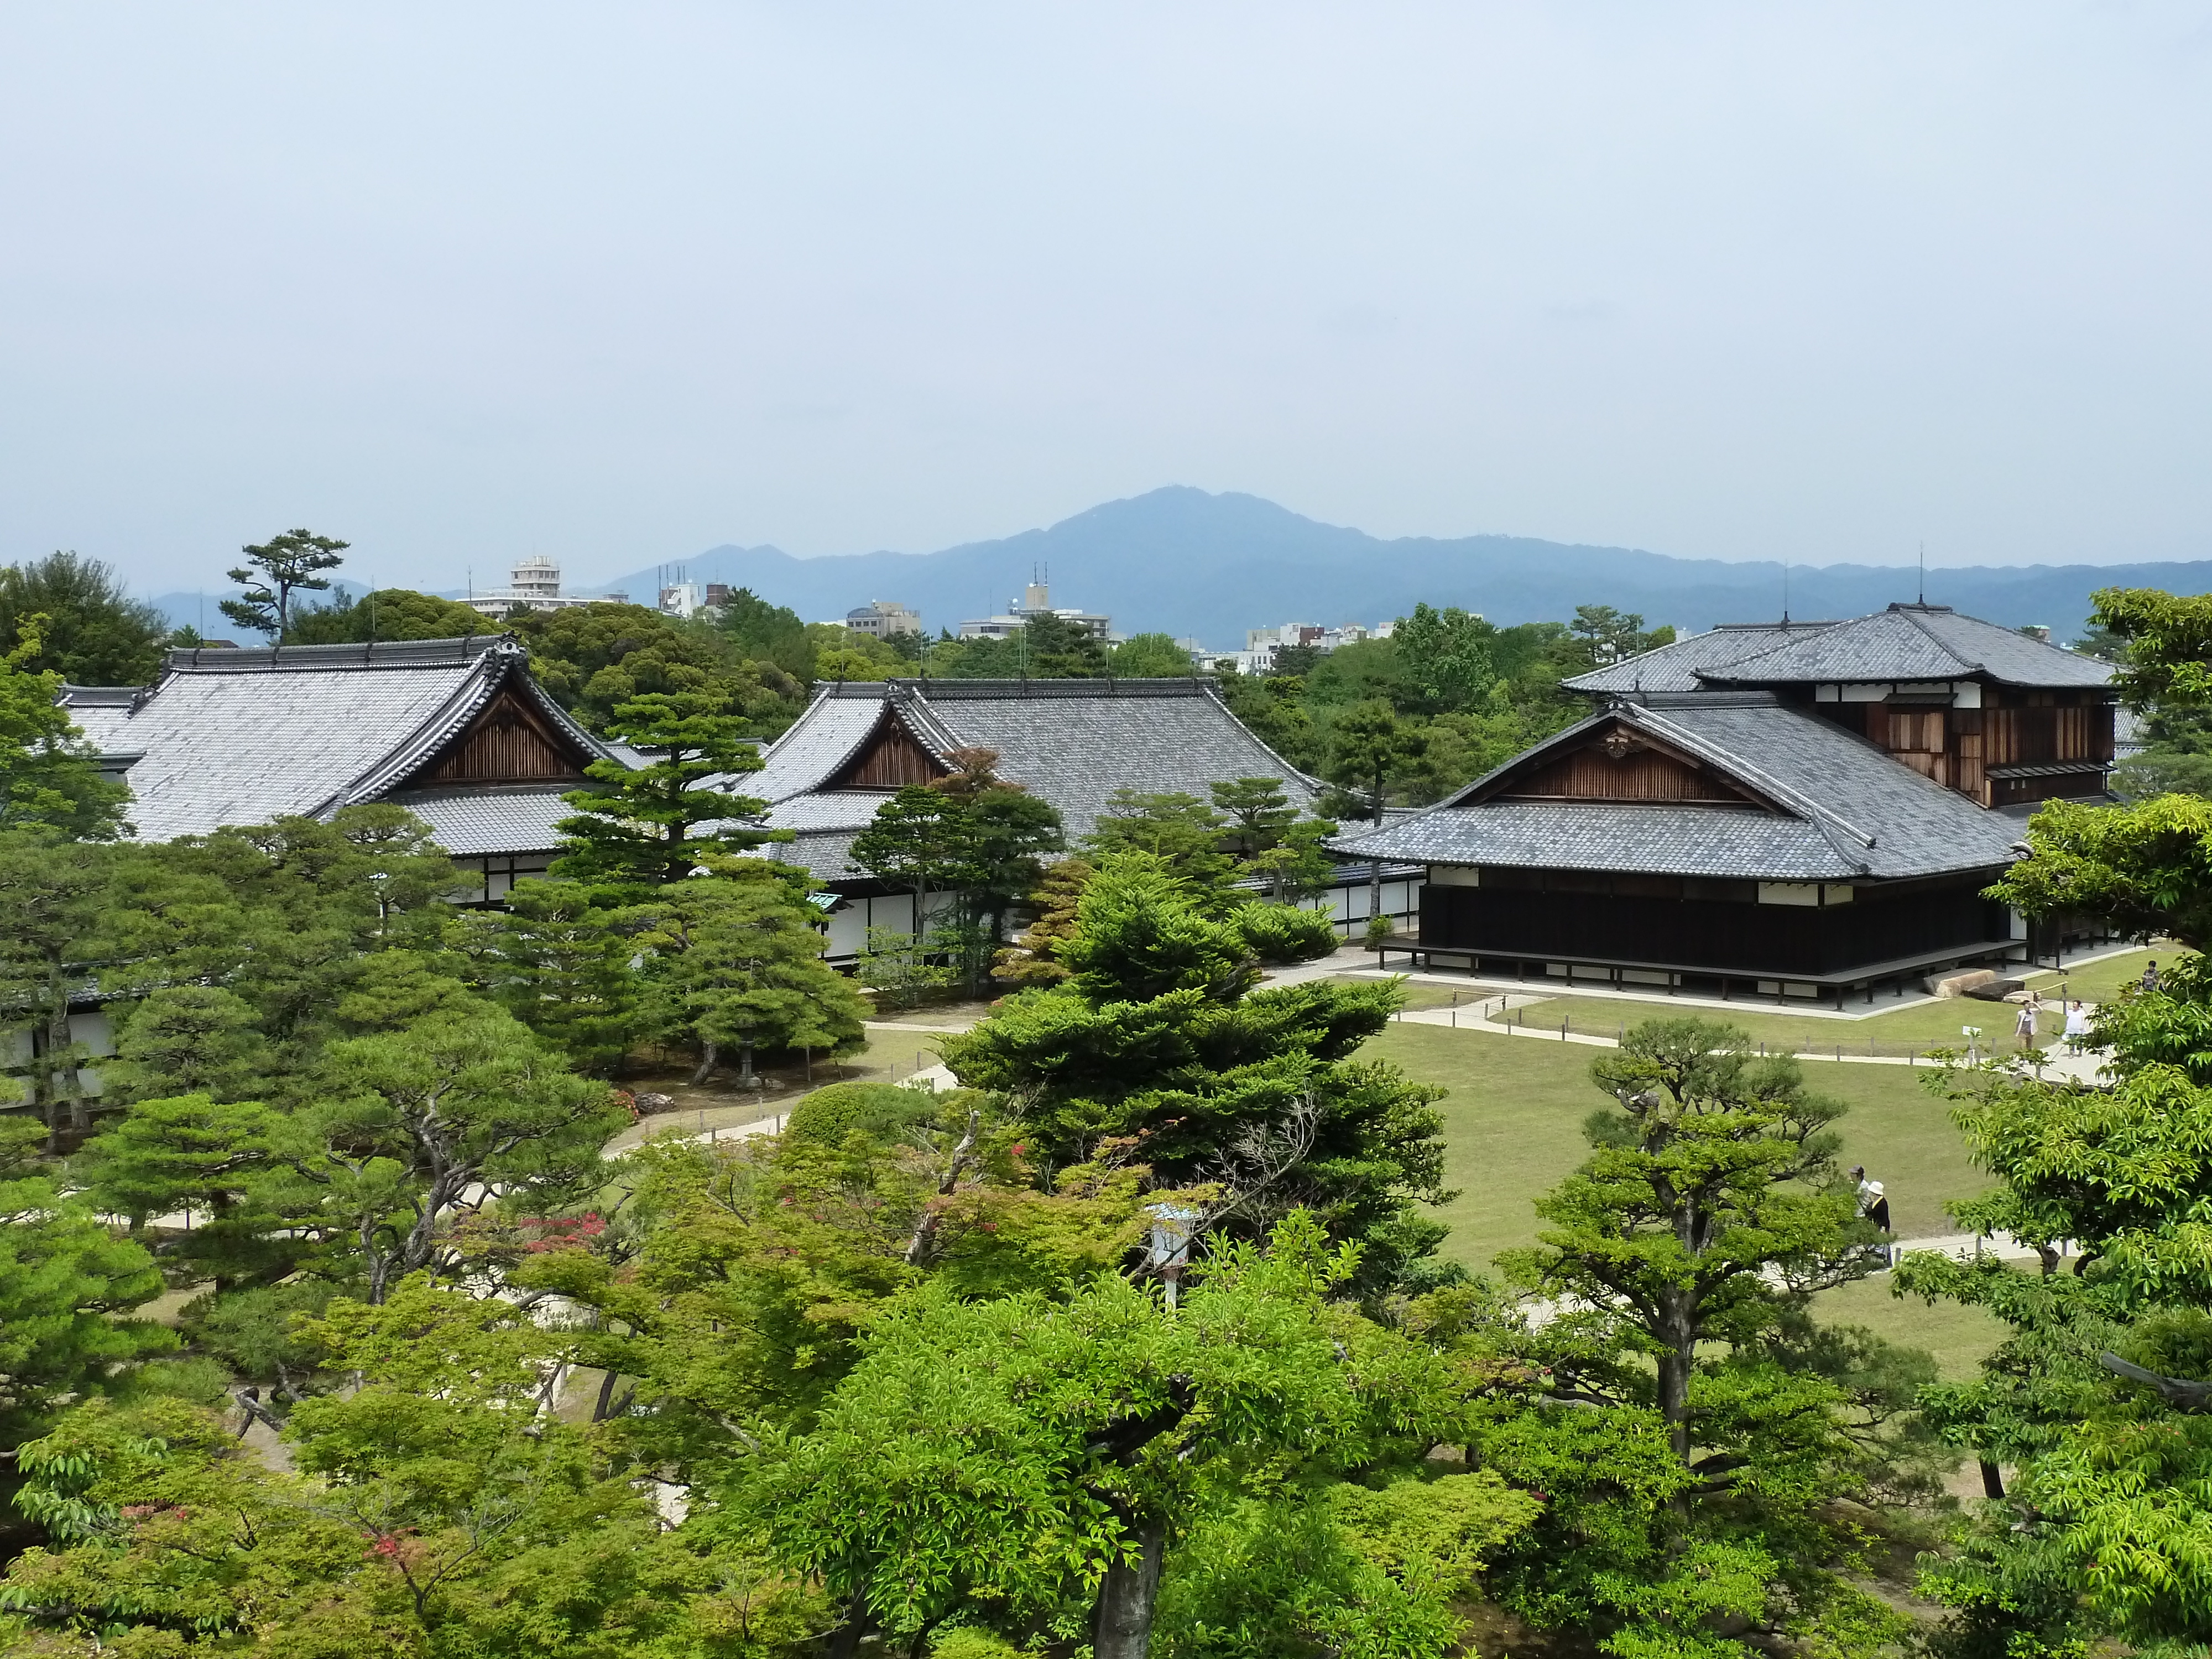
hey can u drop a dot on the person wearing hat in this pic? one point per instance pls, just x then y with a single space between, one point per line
1874 1203
2024 1027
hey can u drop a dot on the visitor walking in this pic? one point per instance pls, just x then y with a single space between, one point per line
2077 1027
2150 977
2024 1027
1874 1203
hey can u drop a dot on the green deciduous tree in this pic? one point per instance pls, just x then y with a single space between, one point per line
1446 658
760 632
92 633
277 569
2094 1535
593 659
2147 868
436 1510
1014 1460
386 613
641 827
49 777
1150 656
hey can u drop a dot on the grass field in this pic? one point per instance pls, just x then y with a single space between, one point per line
1921 1027
1513 1128
1959 1338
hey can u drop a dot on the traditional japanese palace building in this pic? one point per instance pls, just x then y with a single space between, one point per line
455 731
1796 809
1072 742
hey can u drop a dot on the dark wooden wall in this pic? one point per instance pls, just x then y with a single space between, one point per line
1957 746
1752 940
1641 774
508 742
891 760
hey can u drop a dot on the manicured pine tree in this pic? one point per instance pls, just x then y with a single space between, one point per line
1697 1485
737 963
277 569
642 826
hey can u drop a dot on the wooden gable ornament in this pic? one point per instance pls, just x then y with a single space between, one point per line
510 741
890 757
1621 765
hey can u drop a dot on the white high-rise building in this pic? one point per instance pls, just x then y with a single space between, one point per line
536 582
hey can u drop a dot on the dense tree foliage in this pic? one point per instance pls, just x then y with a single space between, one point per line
643 825
593 659
1159 1041
970 836
48 776
387 613
92 633
1695 1498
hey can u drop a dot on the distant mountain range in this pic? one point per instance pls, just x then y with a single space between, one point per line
1180 560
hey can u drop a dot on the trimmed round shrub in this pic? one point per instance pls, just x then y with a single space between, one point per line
1281 933
878 1110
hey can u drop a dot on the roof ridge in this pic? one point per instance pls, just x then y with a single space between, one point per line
454 652
1810 808
1913 615
394 764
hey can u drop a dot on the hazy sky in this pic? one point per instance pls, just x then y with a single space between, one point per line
617 283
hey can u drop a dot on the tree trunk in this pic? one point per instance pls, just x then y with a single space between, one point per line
845 1641
1676 1360
705 1065
1123 1627
1992 1481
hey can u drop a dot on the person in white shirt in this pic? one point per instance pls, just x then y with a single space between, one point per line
1873 1204
2024 1026
2077 1026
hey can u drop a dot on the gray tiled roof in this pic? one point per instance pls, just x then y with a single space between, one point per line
100 712
1915 643
235 737
1675 668
825 854
1073 743
1904 642
1843 808
812 749
468 823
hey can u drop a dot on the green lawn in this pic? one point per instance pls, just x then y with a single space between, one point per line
1513 1129
1920 1029
2103 979
1960 1337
